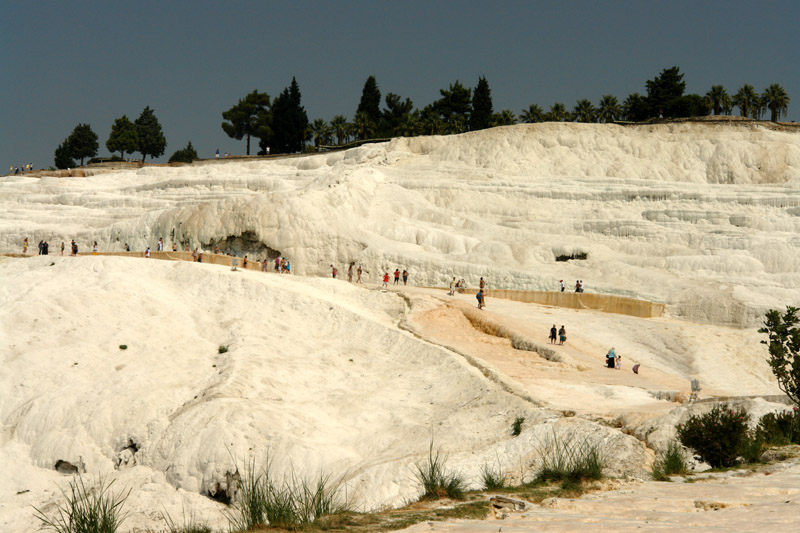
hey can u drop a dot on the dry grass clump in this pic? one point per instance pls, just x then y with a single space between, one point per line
484 324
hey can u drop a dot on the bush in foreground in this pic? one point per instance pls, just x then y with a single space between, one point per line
87 510
778 429
717 436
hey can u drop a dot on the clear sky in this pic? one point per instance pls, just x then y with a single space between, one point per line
74 62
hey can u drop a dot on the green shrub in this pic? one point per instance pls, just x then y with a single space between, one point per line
223 348
184 155
290 504
779 429
437 481
717 436
87 510
567 458
123 346
670 462
516 427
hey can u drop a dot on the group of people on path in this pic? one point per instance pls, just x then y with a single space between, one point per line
44 247
558 335
460 285
24 168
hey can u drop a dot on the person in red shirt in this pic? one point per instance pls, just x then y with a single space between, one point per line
386 279
397 276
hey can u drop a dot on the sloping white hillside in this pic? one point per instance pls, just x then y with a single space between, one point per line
703 217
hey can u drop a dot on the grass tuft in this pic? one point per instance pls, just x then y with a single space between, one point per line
570 459
493 477
87 510
190 524
670 462
290 504
437 481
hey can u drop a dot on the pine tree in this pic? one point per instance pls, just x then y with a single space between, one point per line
482 109
394 115
370 102
151 138
248 118
454 107
123 137
82 142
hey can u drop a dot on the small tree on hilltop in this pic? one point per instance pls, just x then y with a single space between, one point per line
123 137
63 156
151 138
82 142
184 155
784 351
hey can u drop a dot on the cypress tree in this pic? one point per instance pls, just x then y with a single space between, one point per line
151 138
370 102
289 120
123 137
482 109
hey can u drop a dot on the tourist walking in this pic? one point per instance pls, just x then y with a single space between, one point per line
479 297
358 272
25 246
350 272
147 252
405 277
396 276
62 247
94 248
562 335
452 286
386 280
334 272
481 284
563 285
553 334
235 263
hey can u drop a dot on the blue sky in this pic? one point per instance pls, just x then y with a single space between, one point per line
90 62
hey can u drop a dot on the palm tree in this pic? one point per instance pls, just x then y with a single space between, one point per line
339 127
776 100
321 132
533 114
719 100
504 118
584 111
362 126
609 109
635 108
558 112
747 101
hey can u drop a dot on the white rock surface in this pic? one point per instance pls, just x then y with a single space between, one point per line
701 217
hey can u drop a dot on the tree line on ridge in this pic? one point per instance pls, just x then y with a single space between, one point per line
281 125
